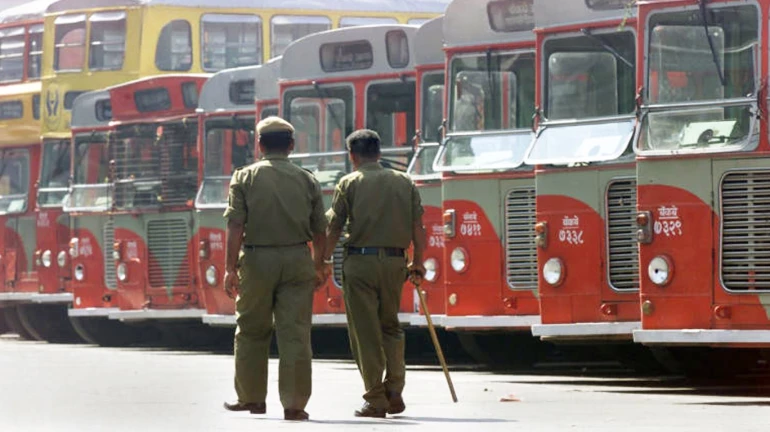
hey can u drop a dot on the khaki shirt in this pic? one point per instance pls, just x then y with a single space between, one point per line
380 204
279 202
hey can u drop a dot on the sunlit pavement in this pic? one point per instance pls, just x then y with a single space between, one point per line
46 387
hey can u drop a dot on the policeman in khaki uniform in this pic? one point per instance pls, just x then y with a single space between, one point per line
383 209
275 208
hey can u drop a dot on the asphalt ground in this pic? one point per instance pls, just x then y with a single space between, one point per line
49 387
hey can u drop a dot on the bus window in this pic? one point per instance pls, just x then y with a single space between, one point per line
35 48
54 176
70 40
305 117
361 21
285 29
397 47
108 40
174 50
269 111
390 112
432 105
14 181
12 54
229 41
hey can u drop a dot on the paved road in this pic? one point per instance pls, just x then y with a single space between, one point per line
47 387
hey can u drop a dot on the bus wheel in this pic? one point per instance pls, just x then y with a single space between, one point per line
502 349
14 323
105 332
49 323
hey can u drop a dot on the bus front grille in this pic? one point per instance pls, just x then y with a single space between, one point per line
520 249
622 248
167 242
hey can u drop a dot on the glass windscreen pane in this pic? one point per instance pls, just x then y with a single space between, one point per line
108 43
54 176
12 47
335 104
432 106
682 66
91 182
14 181
422 163
583 142
492 92
306 119
697 129
229 145
499 151
230 41
590 76
390 110
287 29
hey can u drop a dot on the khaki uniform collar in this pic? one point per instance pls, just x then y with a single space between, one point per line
274 156
371 166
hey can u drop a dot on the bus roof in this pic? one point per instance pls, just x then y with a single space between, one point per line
426 6
554 13
229 90
28 11
429 43
365 44
84 109
482 22
266 80
124 98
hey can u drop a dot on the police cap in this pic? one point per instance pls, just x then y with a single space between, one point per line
273 124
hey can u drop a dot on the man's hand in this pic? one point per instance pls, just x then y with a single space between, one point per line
322 272
231 283
416 272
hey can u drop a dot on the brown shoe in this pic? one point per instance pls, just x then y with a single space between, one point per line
295 415
254 408
369 410
396 403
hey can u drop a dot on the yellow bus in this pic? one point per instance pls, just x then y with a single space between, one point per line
95 44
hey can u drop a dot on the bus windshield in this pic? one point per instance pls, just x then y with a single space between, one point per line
155 164
54 176
432 106
422 163
493 91
390 110
14 181
690 66
91 183
322 118
228 145
588 77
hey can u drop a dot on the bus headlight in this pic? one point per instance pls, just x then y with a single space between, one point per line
660 270
61 259
74 247
211 275
80 272
553 271
459 260
431 269
46 258
122 272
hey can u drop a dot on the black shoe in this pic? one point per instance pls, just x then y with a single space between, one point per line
254 408
295 415
396 403
369 410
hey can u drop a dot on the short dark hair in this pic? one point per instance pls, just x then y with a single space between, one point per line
364 142
276 141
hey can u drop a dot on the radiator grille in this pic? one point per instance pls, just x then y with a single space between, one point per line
167 243
338 257
109 262
520 249
746 230
622 245
152 171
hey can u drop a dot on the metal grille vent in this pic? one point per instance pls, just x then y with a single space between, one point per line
153 171
520 249
746 230
622 245
167 243
338 257
110 278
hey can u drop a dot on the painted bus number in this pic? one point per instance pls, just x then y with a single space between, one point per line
470 229
668 222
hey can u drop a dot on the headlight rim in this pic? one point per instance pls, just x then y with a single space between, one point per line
61 259
562 271
466 259
431 275
666 260
46 258
121 268
212 276
79 273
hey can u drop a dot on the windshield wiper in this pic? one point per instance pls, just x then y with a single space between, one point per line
714 56
607 47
